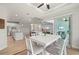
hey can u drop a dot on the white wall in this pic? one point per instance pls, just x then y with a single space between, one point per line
75 29
3 32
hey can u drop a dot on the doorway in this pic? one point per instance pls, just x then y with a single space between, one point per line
63 28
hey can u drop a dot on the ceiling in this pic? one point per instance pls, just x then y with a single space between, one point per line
26 12
21 11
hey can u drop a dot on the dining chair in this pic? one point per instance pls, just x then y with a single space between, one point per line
57 48
33 48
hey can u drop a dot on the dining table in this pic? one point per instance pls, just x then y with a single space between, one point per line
45 40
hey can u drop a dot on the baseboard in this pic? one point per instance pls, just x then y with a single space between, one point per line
75 47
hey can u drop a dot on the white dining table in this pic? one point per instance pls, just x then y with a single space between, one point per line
45 40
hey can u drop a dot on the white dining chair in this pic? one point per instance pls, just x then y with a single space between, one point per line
57 48
33 48
64 47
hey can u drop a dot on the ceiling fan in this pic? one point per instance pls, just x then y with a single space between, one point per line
47 5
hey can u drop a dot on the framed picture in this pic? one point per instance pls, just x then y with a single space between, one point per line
2 23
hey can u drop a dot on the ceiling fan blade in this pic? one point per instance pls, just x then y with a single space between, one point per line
40 5
48 6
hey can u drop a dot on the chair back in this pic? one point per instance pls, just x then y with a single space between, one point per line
29 45
63 51
58 47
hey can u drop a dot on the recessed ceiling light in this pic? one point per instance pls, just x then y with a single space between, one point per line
16 15
22 24
64 19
